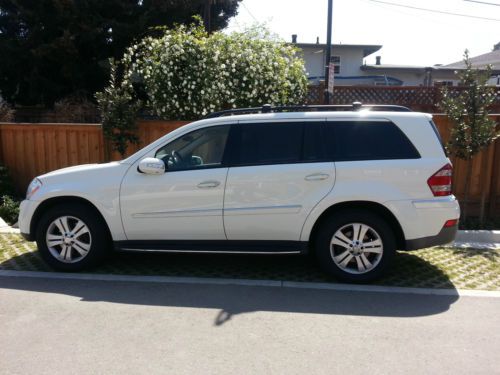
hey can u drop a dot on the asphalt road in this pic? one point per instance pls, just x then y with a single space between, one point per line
50 326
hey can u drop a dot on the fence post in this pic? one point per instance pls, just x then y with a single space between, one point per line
106 146
495 177
1 146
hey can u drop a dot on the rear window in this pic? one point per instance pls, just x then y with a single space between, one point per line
368 140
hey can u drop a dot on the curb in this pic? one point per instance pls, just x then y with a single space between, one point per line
478 236
6 228
249 282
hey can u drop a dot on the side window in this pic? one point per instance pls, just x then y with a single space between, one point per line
313 147
368 140
201 148
269 143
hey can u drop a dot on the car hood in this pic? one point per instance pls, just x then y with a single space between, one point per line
84 171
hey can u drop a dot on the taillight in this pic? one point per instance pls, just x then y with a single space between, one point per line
440 182
450 223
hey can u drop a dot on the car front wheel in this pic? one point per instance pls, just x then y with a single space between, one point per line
71 238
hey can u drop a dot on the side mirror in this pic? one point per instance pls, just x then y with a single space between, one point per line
151 166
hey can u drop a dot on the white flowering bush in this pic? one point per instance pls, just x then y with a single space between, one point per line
186 73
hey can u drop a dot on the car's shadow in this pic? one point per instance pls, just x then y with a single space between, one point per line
232 300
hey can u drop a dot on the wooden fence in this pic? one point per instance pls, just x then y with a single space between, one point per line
28 150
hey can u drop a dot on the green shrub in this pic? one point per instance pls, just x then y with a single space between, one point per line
118 106
9 205
6 183
186 73
9 209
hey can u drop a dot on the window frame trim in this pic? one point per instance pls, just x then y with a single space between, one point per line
224 156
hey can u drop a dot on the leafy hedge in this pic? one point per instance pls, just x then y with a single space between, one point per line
185 73
9 205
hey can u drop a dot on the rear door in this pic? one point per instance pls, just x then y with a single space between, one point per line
279 172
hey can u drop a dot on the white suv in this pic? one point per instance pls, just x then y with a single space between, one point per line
350 186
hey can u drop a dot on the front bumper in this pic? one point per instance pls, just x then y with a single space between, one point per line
26 212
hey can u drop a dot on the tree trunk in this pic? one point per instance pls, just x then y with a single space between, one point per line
466 190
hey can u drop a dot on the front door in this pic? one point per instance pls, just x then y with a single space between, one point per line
186 202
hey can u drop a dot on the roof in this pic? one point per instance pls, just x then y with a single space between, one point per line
480 61
368 49
408 68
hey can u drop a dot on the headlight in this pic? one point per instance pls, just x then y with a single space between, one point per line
33 188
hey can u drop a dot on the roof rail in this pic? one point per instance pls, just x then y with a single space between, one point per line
267 108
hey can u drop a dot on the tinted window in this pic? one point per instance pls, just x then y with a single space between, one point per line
199 149
278 143
365 140
273 143
313 146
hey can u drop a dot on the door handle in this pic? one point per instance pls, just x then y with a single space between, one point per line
208 184
317 177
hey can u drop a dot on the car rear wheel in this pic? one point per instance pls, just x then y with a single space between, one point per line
71 238
355 246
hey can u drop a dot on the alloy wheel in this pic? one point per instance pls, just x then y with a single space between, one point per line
68 239
356 248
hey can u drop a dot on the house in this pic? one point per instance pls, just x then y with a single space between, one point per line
437 74
350 70
347 60
491 58
409 75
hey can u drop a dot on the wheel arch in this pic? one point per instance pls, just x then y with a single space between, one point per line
374 207
66 200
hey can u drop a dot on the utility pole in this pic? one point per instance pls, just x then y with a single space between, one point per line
328 50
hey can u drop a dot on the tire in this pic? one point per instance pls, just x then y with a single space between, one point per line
68 246
355 259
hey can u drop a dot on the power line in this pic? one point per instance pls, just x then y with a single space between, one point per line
248 11
482 2
434 10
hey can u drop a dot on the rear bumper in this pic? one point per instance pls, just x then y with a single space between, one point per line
423 220
446 235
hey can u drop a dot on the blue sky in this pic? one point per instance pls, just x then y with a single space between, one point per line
408 36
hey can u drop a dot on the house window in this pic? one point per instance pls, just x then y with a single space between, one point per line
443 83
335 60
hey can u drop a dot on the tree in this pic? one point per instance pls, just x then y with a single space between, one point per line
473 130
119 107
55 48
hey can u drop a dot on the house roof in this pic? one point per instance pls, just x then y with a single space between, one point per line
368 49
480 61
408 68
